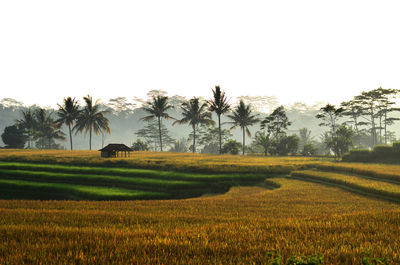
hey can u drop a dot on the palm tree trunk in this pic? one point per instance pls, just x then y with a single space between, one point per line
90 138
194 139
159 132
385 126
243 141
219 131
70 135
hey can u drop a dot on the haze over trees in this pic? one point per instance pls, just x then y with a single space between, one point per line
367 120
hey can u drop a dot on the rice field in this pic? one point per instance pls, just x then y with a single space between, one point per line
318 210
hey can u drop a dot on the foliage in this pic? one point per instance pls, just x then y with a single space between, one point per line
139 145
241 117
92 119
231 147
262 141
285 145
309 150
151 135
195 113
219 104
67 114
179 146
13 136
157 108
276 123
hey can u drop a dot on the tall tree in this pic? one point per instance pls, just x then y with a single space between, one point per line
195 113
276 123
242 117
369 102
67 113
46 129
27 123
219 104
158 108
92 119
151 136
330 116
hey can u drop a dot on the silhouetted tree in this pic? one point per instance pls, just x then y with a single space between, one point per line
195 113
330 116
27 123
242 117
219 104
151 135
262 141
46 129
13 136
92 119
67 113
276 123
158 108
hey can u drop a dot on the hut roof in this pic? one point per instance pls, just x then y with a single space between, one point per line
115 147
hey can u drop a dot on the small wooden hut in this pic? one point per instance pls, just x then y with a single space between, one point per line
115 150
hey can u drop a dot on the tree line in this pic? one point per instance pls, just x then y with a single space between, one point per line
360 122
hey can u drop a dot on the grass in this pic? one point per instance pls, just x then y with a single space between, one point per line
239 227
369 186
242 225
53 182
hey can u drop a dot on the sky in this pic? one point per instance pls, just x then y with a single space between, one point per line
304 51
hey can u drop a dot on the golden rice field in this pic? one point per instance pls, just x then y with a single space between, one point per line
246 225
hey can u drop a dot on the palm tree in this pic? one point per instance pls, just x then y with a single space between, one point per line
91 118
46 129
241 116
219 104
195 113
158 109
68 113
28 124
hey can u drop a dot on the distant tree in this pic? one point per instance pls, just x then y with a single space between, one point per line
139 145
369 103
276 123
13 136
341 142
46 129
285 145
180 146
262 141
209 138
158 108
330 115
195 113
231 147
67 114
120 104
27 123
309 149
219 104
92 119
151 135
242 117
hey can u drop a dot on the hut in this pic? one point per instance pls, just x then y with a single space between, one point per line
115 150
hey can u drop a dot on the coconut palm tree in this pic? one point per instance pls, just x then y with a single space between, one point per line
46 129
219 104
241 116
92 119
195 113
28 124
68 113
158 109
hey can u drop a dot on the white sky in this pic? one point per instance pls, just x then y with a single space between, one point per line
296 50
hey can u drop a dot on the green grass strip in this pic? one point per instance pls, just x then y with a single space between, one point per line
142 173
76 192
99 180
